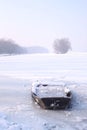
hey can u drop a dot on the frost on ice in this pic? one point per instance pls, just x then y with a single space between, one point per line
18 112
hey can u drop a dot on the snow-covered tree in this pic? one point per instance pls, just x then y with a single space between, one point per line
62 45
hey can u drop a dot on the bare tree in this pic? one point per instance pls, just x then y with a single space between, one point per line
62 45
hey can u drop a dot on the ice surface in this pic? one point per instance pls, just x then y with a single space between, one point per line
19 112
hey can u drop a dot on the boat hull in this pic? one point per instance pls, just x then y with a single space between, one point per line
52 102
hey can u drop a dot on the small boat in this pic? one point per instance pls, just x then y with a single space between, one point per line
51 96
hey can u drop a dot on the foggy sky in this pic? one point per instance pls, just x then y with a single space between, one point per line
40 22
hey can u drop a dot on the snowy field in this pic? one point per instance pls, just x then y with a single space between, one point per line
19 112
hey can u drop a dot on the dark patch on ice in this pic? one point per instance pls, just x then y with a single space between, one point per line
48 126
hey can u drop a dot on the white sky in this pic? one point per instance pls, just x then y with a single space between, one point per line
40 22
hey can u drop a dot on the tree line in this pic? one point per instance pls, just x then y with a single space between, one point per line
10 47
60 46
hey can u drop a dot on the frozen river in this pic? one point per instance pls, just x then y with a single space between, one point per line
19 112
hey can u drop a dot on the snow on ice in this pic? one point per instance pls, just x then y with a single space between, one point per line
19 112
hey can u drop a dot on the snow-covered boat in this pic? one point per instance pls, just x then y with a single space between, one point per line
51 96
